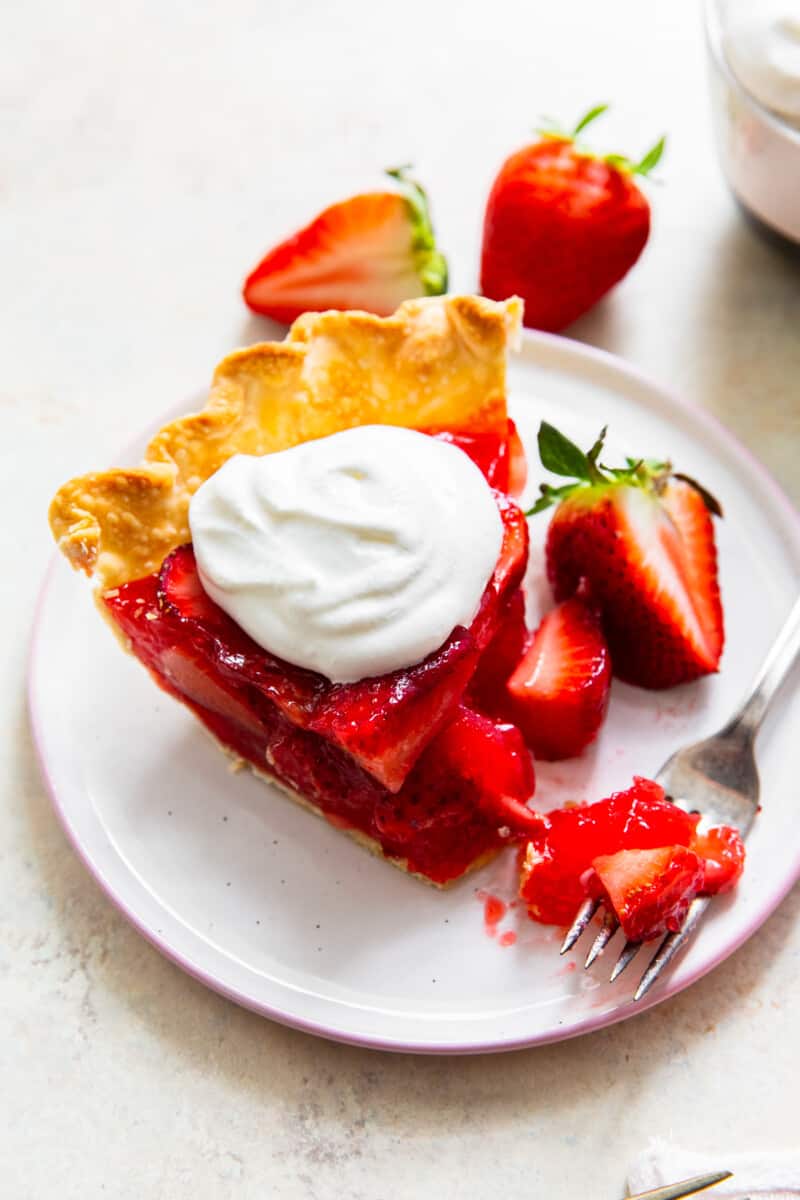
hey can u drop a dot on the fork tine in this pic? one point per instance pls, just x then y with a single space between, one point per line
609 928
670 946
582 918
626 956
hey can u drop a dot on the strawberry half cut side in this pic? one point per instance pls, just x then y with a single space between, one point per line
369 252
558 693
638 542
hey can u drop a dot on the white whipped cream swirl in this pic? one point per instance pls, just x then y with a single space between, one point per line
352 555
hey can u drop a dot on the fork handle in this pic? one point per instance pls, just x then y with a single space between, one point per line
785 649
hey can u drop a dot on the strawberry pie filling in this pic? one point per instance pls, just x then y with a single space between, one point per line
402 758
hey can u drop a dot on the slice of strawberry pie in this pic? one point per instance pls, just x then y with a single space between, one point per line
316 563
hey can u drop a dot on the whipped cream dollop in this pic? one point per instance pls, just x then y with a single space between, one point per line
761 39
352 555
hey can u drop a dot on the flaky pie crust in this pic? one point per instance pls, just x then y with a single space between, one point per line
437 363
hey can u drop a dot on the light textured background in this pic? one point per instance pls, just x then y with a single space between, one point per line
148 153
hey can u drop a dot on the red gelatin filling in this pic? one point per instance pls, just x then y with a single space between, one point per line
398 758
635 850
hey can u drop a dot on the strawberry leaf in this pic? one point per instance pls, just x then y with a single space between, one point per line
590 116
560 455
651 159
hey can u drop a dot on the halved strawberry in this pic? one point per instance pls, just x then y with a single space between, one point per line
558 694
370 252
637 542
649 890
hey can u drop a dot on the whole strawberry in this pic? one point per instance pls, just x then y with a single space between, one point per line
638 543
563 225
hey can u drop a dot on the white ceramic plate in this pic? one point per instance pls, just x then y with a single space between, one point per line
277 910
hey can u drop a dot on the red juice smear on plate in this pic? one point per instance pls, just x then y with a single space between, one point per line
494 909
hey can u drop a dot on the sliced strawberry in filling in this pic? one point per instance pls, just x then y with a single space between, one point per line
487 689
446 815
489 452
355 751
500 458
384 722
494 757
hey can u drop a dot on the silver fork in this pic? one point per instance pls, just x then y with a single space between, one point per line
717 778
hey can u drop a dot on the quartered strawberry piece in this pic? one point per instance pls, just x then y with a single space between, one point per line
649 890
558 693
639 542
370 252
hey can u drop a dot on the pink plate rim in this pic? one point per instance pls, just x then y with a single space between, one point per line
624 1011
